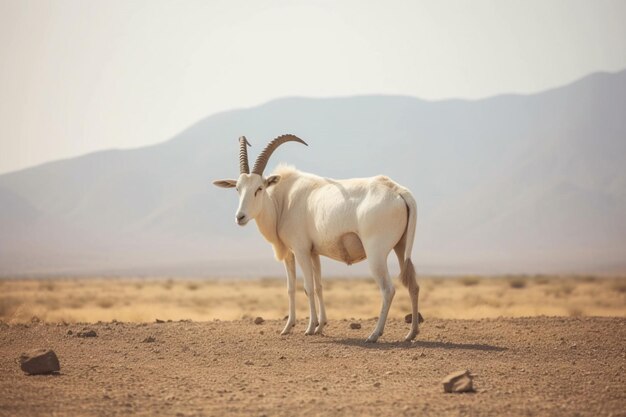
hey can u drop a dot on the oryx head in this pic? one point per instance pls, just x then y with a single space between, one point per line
252 186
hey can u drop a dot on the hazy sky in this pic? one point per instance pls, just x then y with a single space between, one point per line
76 76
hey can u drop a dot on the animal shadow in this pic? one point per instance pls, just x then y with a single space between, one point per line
428 344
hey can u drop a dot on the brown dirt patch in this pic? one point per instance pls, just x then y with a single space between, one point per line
523 366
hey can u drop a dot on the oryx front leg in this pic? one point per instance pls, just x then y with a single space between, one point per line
306 265
317 274
290 268
378 267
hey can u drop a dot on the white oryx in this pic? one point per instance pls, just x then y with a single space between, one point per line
304 216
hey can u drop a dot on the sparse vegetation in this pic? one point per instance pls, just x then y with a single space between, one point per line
517 283
90 300
470 281
619 285
574 311
105 302
8 305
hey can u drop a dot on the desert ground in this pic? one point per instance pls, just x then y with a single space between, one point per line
536 346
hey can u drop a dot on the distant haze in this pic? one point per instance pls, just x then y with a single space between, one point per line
519 184
78 76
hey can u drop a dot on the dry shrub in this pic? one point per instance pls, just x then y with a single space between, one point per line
192 286
50 303
105 302
517 283
8 306
575 311
202 302
566 288
75 302
269 282
619 286
588 278
470 281
541 279
47 286
562 290
437 281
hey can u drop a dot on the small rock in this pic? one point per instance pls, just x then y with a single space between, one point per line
70 332
149 339
377 384
355 326
259 320
87 333
159 321
248 362
409 318
39 361
460 381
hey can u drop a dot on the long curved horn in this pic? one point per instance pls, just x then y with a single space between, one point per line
243 155
261 161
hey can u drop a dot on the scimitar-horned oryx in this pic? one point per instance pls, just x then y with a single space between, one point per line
305 216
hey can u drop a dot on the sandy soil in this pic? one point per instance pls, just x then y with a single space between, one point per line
537 366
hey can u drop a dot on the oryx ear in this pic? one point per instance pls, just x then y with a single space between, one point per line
225 183
271 180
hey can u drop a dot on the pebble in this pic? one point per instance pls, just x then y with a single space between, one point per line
409 318
460 381
259 320
39 361
87 333
149 339
355 326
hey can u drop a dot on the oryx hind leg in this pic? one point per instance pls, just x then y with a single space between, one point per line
377 259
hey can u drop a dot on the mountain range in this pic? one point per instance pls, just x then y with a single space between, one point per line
508 184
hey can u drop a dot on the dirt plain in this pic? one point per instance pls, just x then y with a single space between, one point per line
570 365
540 366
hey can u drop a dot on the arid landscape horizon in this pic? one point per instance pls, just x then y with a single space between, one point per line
138 299
535 345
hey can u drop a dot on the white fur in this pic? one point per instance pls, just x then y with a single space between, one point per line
305 216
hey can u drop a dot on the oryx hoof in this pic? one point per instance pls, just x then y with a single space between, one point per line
373 338
288 328
411 335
